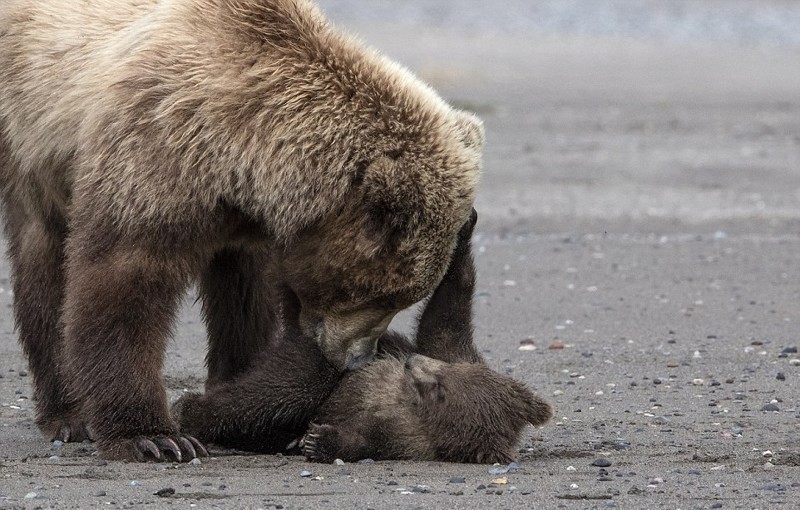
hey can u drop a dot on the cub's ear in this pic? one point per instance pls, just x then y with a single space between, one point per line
531 406
536 410
471 129
427 378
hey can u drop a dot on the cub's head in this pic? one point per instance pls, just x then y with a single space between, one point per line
389 244
472 413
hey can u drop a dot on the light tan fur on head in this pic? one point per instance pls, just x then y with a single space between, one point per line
154 113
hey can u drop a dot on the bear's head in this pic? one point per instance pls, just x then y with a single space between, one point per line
388 245
472 413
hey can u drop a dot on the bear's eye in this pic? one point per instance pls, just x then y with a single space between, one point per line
396 154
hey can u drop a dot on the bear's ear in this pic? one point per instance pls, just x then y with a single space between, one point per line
387 201
471 129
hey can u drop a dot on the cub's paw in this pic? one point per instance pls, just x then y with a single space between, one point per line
161 448
321 443
67 430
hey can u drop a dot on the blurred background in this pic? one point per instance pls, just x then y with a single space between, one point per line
614 116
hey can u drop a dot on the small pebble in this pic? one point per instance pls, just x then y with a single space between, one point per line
339 462
133 483
698 382
527 345
694 472
58 443
457 479
23 373
556 346
571 468
794 362
771 407
366 461
789 350
305 474
195 462
601 462
100 494
500 481
31 495
163 493
54 458
780 376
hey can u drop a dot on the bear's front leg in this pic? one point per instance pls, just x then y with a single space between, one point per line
119 305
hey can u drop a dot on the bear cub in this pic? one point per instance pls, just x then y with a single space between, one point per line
432 400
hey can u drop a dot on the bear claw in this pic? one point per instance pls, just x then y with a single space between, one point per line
319 443
73 433
179 448
66 430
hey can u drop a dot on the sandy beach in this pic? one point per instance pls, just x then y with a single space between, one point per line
638 238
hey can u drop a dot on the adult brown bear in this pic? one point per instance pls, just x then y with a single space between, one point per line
149 144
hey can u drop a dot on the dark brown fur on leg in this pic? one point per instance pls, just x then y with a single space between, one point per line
267 408
36 254
118 311
35 234
238 312
445 331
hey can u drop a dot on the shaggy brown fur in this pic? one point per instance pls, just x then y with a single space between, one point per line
147 144
401 406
